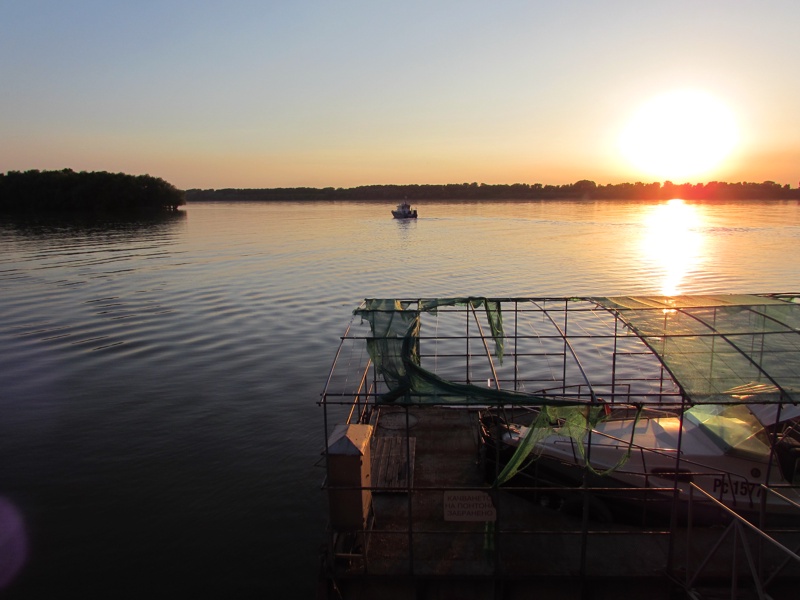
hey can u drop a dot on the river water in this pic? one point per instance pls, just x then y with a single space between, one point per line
159 433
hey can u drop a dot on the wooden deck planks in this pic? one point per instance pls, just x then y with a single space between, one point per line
390 459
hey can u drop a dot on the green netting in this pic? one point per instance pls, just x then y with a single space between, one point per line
713 346
394 350
716 346
493 315
572 422
392 347
721 350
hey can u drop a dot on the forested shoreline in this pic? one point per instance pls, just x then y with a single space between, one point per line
714 190
68 192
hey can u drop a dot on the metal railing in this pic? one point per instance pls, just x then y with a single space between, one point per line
753 541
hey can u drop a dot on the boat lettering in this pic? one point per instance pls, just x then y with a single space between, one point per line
736 488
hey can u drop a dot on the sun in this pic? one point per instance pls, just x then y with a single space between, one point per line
679 134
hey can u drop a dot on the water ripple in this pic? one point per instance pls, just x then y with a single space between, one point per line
170 372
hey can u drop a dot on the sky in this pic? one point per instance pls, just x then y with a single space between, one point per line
342 93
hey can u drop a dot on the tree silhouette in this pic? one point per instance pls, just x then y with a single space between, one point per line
100 192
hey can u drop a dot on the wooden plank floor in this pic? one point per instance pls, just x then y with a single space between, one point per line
391 458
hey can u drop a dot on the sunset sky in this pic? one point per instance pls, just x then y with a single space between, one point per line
344 93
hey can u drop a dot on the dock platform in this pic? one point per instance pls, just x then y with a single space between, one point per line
639 476
412 549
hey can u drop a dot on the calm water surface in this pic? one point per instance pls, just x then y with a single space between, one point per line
158 428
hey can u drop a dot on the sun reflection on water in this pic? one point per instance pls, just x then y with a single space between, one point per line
672 242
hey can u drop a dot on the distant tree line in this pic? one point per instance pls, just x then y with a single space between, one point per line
714 190
33 192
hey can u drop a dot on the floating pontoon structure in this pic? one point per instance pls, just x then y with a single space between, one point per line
506 432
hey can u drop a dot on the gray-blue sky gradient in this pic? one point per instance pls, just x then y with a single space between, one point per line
269 94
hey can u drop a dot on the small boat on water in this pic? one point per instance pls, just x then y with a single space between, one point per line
404 211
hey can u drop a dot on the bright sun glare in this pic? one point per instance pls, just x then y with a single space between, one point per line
672 244
678 135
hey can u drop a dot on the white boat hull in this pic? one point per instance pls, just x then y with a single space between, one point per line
654 466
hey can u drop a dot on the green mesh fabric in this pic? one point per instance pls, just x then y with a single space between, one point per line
721 349
392 345
493 315
394 350
574 422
